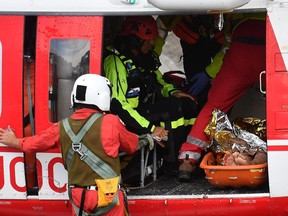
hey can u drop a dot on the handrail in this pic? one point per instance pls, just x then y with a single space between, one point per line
193 5
260 82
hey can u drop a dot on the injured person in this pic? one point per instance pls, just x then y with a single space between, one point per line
237 158
233 143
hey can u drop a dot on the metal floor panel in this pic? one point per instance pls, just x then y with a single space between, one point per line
169 185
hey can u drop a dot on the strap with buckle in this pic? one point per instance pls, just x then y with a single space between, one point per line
92 187
77 148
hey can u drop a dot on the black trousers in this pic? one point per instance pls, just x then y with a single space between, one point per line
196 57
169 111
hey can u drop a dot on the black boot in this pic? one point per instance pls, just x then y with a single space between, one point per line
186 169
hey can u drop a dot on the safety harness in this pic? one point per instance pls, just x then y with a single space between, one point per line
93 161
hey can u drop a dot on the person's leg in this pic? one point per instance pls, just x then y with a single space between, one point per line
171 114
240 70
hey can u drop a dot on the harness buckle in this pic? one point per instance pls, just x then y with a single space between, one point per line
77 148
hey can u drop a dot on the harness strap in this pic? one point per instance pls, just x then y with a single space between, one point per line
80 135
92 160
96 163
82 201
98 210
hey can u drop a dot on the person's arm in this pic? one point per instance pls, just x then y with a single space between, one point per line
43 141
217 62
200 80
165 25
116 137
8 137
167 88
116 72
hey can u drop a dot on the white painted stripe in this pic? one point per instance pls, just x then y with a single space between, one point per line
163 197
277 142
279 19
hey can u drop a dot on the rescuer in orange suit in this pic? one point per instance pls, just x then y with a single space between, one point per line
242 64
89 134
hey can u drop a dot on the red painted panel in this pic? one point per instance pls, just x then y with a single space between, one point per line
54 27
279 63
277 88
35 207
263 206
11 38
281 120
278 148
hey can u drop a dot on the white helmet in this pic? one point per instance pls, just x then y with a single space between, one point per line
92 89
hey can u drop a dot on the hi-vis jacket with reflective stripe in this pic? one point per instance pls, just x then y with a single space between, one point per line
117 71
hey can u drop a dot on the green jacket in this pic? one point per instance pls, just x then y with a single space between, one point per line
126 97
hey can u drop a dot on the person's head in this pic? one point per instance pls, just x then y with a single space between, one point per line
91 91
141 31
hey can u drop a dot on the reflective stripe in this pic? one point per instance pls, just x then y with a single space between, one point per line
193 155
128 63
180 122
134 102
189 121
174 124
197 142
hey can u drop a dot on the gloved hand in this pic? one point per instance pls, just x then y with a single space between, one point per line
198 82
145 140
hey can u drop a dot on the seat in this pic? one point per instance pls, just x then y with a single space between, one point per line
145 169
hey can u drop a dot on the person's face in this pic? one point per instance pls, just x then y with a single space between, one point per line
147 46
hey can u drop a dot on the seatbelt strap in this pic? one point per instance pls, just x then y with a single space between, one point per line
31 116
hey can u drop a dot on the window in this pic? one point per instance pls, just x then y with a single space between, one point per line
69 58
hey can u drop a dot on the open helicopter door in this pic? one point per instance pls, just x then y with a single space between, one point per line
66 47
12 177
